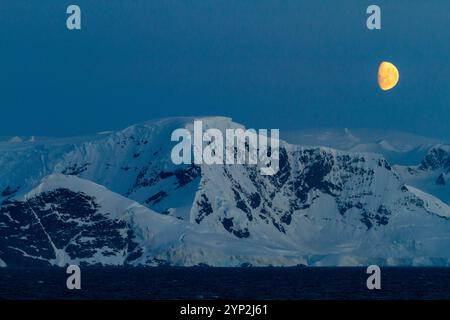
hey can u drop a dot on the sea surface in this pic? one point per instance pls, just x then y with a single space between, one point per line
225 283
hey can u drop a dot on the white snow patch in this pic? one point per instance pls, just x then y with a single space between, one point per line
431 203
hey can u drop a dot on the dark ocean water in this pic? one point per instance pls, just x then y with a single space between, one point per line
226 283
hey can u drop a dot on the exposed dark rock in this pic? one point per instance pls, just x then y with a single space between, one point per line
75 169
154 199
205 208
8 191
440 180
229 226
61 219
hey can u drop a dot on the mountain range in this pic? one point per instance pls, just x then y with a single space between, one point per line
340 198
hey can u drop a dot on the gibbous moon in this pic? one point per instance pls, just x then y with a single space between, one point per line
387 76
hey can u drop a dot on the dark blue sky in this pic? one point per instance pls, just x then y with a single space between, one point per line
268 64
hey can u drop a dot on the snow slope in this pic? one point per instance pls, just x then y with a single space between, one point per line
431 175
431 203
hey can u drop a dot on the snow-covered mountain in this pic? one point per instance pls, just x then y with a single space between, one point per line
117 198
68 220
432 174
401 148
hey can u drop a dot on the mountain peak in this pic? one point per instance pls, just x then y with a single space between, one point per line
438 157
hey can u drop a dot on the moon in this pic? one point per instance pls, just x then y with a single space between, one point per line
387 75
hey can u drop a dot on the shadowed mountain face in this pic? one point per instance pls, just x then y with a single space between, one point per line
61 225
118 199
